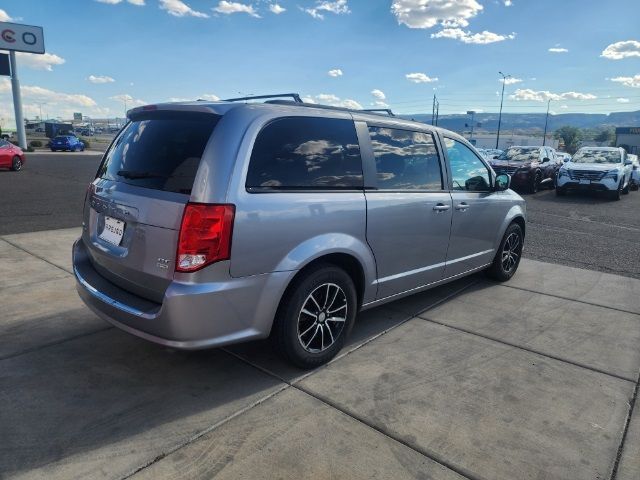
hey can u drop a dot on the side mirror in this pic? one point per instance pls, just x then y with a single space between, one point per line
546 159
627 162
495 157
565 160
503 182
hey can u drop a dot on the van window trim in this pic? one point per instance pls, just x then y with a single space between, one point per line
486 165
300 189
436 142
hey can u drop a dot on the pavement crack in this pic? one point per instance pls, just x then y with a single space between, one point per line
625 430
39 257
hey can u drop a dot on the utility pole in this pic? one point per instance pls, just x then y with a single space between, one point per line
504 80
546 121
472 113
437 112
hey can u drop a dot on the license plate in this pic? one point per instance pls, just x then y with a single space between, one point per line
113 230
585 182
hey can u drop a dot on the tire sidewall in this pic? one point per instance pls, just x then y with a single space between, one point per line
287 317
16 161
497 271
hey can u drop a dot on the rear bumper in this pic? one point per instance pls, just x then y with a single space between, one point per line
191 316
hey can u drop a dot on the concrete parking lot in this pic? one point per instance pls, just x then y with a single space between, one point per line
533 379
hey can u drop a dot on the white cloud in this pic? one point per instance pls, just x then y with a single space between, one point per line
32 93
481 38
620 50
130 101
420 78
210 96
578 96
544 95
378 94
100 79
622 100
337 7
558 50
139 3
380 104
564 107
628 81
336 72
228 8
277 9
429 13
508 3
510 80
333 100
4 16
34 61
178 8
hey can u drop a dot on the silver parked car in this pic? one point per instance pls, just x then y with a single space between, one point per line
211 223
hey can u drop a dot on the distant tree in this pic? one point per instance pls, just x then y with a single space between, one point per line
571 137
605 136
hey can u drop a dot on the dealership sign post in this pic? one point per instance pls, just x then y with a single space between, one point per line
20 38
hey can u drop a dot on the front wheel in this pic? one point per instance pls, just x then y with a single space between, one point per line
315 316
615 195
16 164
507 259
561 192
625 190
534 186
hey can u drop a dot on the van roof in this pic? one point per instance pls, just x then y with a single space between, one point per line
223 106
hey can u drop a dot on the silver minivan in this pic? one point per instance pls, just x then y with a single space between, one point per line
211 223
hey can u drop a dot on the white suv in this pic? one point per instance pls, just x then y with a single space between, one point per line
604 169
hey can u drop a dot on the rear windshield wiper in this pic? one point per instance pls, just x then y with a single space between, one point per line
134 174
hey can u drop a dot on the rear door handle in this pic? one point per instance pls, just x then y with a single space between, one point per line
462 206
441 207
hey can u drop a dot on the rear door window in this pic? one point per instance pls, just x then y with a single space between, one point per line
160 150
405 160
306 153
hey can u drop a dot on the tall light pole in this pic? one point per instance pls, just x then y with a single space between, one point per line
546 121
473 114
504 80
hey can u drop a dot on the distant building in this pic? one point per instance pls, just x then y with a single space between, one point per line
629 139
482 140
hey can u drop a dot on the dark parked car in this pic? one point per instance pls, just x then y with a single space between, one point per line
529 167
69 143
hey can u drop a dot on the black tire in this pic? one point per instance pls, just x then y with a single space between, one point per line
503 268
16 164
561 192
634 187
625 190
293 326
534 184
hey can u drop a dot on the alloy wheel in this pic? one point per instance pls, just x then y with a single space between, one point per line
322 317
511 252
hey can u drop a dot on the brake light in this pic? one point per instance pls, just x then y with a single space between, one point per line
205 236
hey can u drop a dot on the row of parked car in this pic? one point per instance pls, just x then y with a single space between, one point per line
603 169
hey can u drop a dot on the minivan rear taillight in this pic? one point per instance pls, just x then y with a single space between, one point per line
205 235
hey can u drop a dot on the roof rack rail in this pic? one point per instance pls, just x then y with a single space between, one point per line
295 96
379 110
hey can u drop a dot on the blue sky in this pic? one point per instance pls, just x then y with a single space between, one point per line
346 52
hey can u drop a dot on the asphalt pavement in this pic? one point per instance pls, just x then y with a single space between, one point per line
580 230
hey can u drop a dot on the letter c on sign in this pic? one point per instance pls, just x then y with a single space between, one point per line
7 36
29 38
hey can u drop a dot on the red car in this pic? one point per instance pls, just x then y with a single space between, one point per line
11 156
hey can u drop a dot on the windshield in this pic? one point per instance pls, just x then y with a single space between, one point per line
597 156
520 154
61 138
161 151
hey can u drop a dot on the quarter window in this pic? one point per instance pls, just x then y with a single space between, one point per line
405 160
467 170
306 153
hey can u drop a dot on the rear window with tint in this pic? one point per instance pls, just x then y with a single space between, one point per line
160 150
306 153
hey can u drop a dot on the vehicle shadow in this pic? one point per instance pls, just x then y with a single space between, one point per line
106 403
574 197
